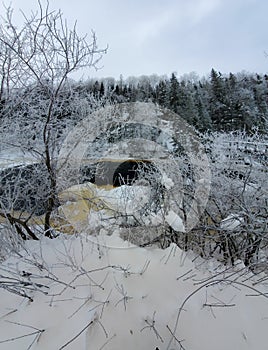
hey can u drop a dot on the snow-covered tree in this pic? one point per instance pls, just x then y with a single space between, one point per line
234 224
36 62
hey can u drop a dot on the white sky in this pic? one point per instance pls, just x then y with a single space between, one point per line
165 36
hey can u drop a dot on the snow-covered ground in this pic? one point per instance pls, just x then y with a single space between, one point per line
100 292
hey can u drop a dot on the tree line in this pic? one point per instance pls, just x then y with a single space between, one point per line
222 103
215 103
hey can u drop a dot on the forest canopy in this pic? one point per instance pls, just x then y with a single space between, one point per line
215 103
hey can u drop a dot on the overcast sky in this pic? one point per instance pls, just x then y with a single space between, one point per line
165 36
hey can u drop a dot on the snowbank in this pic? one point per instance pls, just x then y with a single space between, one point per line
100 292
87 206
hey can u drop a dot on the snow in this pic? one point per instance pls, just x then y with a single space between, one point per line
167 181
231 222
14 157
87 206
104 293
126 199
96 291
175 221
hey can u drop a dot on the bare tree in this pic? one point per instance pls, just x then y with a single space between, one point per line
36 62
234 223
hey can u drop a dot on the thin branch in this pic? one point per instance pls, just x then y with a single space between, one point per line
77 335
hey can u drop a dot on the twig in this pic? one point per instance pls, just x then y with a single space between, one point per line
125 298
80 307
219 305
9 313
145 267
104 330
186 273
151 325
206 285
77 335
22 336
36 339
169 255
177 340
189 277
105 302
108 341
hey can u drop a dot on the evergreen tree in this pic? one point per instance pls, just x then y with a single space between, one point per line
174 93
161 93
102 90
261 101
203 122
219 111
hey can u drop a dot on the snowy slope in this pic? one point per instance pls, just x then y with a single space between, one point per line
100 292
